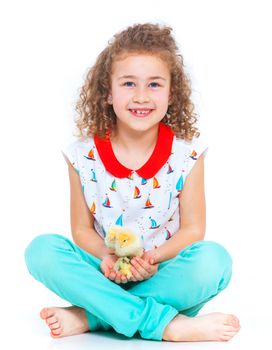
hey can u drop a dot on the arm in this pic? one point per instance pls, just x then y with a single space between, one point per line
82 221
192 214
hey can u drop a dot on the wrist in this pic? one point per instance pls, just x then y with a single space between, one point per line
158 255
105 252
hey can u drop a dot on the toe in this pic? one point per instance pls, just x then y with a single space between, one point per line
232 320
56 333
51 320
229 329
225 337
228 335
46 312
54 326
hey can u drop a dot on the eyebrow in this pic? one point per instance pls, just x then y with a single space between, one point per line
134 77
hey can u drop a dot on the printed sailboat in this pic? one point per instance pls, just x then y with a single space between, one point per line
170 170
148 204
137 193
193 155
94 179
156 183
90 155
113 186
107 202
153 223
92 209
179 184
168 234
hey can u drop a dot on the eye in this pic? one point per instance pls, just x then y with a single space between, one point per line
155 84
127 83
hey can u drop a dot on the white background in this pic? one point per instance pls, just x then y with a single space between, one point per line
46 49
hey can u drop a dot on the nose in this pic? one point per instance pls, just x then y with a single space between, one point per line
140 97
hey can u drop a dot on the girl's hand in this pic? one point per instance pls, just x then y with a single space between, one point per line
145 267
107 267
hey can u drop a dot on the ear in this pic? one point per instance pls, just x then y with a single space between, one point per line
110 99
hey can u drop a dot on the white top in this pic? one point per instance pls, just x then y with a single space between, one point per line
148 205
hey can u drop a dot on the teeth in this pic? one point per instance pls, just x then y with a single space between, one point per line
140 112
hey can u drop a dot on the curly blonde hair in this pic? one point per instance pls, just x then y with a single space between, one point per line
96 115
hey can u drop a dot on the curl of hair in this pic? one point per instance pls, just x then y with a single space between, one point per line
96 115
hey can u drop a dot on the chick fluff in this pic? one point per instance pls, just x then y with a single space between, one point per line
126 245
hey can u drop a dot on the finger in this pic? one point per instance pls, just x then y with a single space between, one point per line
132 278
117 278
124 279
140 269
112 276
144 264
136 274
107 271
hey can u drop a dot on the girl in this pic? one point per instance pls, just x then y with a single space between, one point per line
138 163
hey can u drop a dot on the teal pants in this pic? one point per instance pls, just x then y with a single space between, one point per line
181 285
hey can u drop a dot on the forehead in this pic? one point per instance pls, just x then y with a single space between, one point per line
140 65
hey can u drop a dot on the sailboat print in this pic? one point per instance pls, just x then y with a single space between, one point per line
153 223
137 193
156 183
130 176
106 203
193 155
90 155
113 186
171 218
119 221
92 209
168 234
170 197
170 170
93 176
144 181
148 204
179 184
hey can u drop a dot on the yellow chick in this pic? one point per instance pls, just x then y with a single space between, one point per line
123 265
126 245
111 237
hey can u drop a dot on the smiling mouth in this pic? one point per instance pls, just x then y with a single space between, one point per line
141 112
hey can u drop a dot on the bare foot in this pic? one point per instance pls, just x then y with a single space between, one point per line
215 326
64 321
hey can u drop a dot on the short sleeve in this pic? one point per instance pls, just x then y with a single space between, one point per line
70 153
195 149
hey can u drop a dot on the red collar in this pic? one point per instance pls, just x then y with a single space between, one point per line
158 158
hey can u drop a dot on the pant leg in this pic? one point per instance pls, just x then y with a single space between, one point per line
74 275
196 275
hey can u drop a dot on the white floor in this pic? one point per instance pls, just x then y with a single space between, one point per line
22 326
32 333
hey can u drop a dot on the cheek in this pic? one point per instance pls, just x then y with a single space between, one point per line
120 103
121 98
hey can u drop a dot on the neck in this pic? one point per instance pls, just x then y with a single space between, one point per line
131 140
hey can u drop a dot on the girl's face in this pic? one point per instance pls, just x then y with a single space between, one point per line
140 88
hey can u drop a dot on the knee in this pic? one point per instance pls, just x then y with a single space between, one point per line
218 262
215 255
213 262
40 253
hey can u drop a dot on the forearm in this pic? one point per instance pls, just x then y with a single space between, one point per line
177 242
90 241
